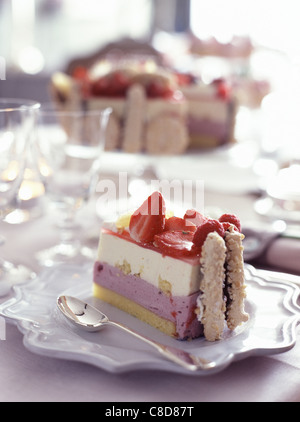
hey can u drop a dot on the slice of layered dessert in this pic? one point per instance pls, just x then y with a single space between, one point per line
148 111
212 112
182 275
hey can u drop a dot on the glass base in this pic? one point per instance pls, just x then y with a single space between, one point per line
12 274
277 210
65 253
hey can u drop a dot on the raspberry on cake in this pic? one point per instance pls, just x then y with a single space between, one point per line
184 276
212 112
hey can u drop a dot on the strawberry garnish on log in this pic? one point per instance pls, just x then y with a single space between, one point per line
149 219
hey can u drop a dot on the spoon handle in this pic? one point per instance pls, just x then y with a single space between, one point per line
178 356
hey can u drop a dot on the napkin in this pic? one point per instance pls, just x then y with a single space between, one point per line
272 250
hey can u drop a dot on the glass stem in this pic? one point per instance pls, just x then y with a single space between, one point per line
67 228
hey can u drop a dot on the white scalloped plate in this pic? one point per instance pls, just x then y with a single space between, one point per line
271 302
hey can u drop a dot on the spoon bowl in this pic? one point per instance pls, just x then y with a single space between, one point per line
92 319
82 314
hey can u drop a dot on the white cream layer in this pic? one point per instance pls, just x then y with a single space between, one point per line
175 276
215 110
154 107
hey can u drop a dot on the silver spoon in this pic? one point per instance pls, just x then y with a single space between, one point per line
91 319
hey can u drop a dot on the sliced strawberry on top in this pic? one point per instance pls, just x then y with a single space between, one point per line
100 86
223 88
149 219
80 72
177 224
207 227
232 219
176 243
195 217
119 83
157 89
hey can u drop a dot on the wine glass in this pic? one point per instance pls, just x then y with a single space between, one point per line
17 119
69 146
281 139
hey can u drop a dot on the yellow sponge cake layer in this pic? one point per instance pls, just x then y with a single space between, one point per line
132 308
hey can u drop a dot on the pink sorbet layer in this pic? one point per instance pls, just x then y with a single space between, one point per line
178 309
208 127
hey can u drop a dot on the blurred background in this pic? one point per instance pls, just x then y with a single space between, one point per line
254 43
38 37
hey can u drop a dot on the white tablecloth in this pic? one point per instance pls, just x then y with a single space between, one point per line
25 376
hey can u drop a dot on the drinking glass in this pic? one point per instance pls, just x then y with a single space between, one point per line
17 119
68 150
281 140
